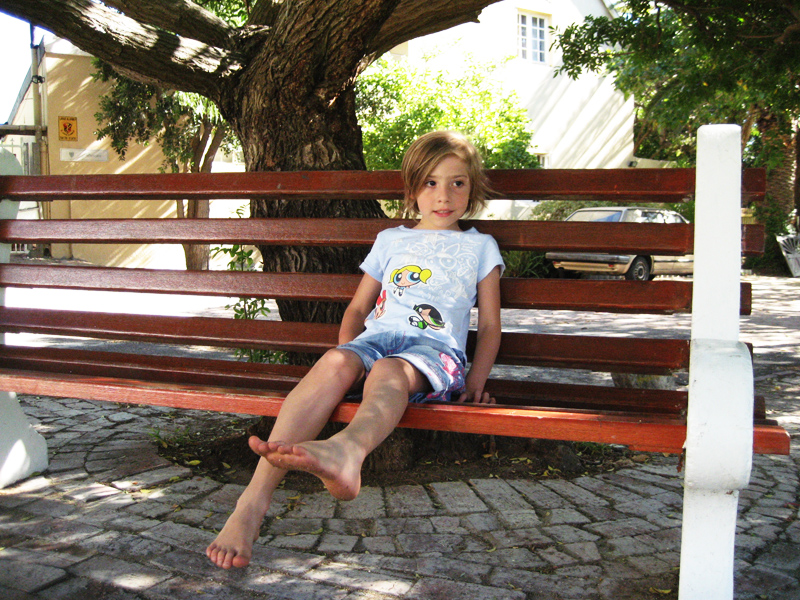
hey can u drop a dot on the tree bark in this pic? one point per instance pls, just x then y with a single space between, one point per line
796 178
781 177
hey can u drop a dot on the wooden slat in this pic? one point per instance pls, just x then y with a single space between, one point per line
653 297
153 368
663 434
241 374
753 239
617 185
606 354
313 338
244 375
631 238
612 354
297 286
623 238
645 433
514 392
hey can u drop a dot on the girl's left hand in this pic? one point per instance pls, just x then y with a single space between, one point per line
477 397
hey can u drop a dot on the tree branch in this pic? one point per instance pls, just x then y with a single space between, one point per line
265 12
142 52
182 17
415 18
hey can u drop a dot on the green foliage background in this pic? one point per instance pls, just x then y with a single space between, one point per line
397 102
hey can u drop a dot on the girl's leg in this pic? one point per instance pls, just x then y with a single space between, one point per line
337 461
302 416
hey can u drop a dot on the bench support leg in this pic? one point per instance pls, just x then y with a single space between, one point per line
719 422
707 543
23 451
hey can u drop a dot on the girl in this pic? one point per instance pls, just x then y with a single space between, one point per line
410 348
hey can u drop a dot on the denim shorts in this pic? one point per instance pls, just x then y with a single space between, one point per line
443 366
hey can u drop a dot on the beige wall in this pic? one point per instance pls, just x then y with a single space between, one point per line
70 91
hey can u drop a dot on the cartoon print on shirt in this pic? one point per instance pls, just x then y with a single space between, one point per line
408 276
429 316
380 305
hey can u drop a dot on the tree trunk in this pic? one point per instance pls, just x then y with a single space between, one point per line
796 178
319 134
196 254
781 176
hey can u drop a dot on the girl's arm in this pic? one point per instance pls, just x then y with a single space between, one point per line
488 342
359 308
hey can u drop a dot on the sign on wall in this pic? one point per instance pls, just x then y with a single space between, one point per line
68 129
83 155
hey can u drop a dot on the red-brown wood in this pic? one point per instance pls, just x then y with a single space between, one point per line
631 238
624 238
640 432
612 354
653 297
642 419
155 368
314 338
244 375
618 185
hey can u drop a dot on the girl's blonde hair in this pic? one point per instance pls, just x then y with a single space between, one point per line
427 152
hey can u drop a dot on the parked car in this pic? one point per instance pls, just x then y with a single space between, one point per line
640 267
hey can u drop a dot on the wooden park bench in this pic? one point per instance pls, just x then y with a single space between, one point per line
642 419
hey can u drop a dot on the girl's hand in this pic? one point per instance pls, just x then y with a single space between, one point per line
476 397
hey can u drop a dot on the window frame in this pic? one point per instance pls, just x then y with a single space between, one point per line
527 24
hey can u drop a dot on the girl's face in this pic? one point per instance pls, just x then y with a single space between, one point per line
444 196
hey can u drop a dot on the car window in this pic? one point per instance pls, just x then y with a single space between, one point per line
639 215
675 218
608 216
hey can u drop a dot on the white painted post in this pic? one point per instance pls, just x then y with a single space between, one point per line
23 451
719 438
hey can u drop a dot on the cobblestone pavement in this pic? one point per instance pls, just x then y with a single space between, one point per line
111 519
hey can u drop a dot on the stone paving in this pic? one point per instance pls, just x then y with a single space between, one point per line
110 519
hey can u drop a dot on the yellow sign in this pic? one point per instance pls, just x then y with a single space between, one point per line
68 129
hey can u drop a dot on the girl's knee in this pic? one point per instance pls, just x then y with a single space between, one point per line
390 368
341 362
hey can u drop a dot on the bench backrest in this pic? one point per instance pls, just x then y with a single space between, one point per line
607 354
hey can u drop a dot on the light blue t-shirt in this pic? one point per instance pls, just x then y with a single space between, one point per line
429 281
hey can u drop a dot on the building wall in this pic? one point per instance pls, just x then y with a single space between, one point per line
71 92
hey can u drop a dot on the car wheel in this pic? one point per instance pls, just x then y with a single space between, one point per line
639 269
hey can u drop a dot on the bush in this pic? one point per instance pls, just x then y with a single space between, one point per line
397 102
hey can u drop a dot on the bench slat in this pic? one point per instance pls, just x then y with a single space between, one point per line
640 432
283 377
261 376
613 354
630 238
623 238
624 186
652 297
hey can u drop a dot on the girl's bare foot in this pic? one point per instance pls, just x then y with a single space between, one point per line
336 464
234 544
